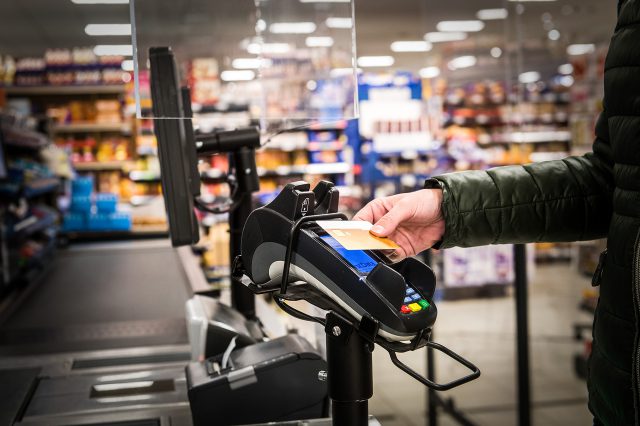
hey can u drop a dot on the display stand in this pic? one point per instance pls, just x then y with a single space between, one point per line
435 401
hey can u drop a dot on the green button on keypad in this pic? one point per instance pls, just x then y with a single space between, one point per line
424 304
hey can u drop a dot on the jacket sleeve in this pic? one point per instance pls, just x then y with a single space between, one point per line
552 201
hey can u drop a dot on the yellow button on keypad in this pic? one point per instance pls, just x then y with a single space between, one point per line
415 307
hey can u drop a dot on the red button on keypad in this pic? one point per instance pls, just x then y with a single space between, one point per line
405 309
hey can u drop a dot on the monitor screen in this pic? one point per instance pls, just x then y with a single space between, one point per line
356 258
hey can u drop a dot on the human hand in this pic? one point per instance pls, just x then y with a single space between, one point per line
413 220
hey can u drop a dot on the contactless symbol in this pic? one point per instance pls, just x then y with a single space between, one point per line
305 206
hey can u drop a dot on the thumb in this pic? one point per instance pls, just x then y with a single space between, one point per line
390 221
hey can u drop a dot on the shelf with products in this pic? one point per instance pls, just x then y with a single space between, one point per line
65 90
33 174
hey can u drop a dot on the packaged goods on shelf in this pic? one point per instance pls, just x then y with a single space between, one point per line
91 211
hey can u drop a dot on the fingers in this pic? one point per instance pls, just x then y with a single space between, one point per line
372 212
388 223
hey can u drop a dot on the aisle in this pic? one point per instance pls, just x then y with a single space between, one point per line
105 296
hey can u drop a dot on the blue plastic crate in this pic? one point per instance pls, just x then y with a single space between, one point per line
120 221
106 202
99 222
74 222
82 186
80 204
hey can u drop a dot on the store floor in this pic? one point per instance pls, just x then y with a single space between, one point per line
482 331
106 296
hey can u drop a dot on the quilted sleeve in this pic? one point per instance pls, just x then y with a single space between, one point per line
564 200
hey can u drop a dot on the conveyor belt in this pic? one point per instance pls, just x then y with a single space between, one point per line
102 298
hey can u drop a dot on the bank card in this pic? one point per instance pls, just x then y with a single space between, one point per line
355 235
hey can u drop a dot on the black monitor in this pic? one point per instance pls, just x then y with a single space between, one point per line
176 147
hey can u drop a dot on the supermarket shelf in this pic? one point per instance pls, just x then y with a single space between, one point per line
41 186
144 176
100 165
533 137
65 90
34 224
90 128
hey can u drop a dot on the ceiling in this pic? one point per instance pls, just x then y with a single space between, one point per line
28 27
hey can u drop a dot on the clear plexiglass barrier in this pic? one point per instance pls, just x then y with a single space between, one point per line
285 62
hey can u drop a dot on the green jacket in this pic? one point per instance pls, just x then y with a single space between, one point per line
578 198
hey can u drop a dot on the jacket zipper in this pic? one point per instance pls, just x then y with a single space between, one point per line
636 286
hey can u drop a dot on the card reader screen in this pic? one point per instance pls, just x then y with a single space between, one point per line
356 258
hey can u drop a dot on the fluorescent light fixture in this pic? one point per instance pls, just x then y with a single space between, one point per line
554 35
319 41
375 61
430 72
530 1
496 52
341 72
565 69
529 77
100 1
108 29
492 14
268 48
113 50
127 65
580 49
325 1
339 23
411 46
292 28
250 63
237 75
444 37
460 26
462 62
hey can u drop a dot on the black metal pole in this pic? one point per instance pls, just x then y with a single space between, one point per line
350 373
432 402
522 335
241 297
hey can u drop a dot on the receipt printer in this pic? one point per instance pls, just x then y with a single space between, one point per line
276 380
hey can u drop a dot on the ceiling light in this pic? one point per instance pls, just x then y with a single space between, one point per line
462 62
529 77
127 65
325 1
342 72
100 1
430 72
532 1
460 26
292 28
339 23
554 35
246 63
268 48
580 49
496 52
108 29
565 69
411 46
319 41
113 50
375 61
444 37
237 75
492 14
